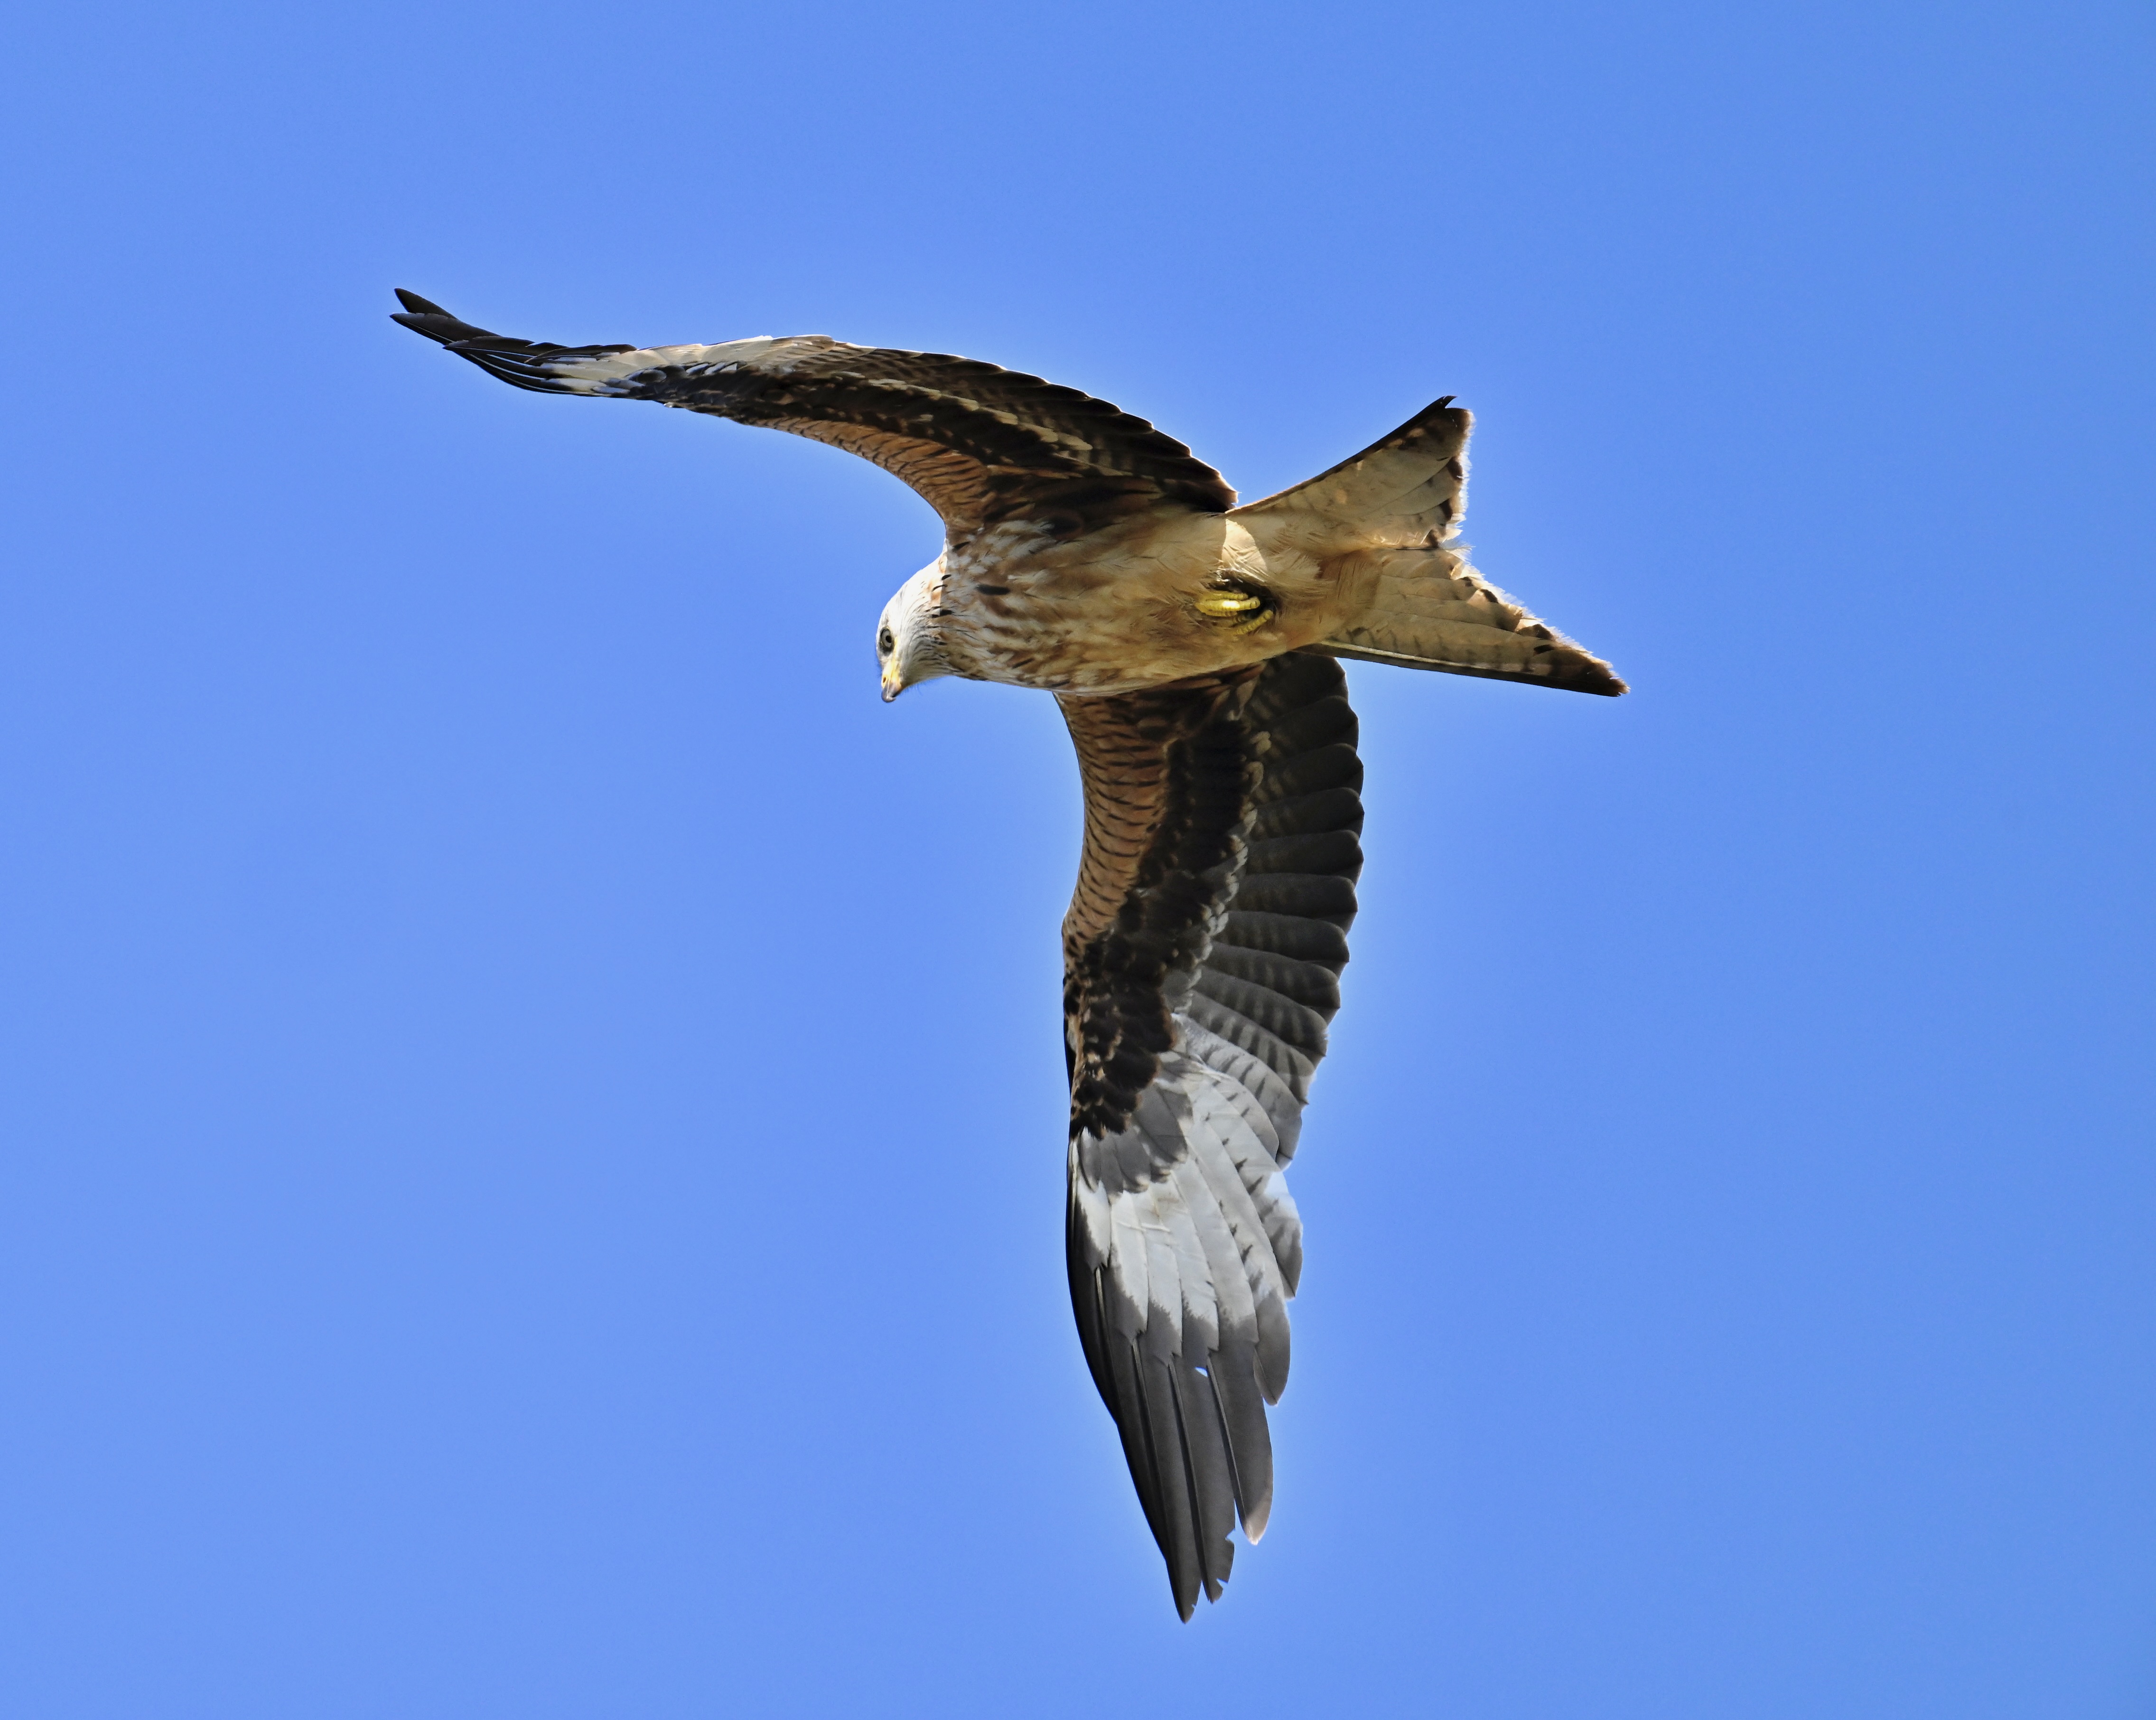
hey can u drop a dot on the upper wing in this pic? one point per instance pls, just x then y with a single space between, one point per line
981 444
1202 956
1396 492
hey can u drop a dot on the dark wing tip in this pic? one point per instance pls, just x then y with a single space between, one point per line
522 364
424 317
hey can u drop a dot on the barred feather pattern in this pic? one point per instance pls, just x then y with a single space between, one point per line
980 444
1203 952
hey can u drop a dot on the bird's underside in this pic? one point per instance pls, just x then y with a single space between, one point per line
1190 644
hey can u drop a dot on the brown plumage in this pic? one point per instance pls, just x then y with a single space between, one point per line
1190 644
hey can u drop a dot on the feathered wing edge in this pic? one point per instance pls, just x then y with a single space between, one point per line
980 444
536 365
1198 1015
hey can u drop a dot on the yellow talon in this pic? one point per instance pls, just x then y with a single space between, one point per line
1226 605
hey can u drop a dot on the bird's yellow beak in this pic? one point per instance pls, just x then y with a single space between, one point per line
892 685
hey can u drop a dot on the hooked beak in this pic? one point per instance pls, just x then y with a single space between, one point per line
892 685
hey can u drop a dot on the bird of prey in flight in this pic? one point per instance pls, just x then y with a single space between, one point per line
1191 643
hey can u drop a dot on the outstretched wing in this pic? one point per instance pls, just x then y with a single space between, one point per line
979 443
1202 956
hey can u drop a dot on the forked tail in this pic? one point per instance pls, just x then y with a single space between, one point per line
1384 523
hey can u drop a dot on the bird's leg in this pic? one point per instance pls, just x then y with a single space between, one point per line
1244 607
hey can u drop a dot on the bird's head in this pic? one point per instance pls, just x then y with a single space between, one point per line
909 634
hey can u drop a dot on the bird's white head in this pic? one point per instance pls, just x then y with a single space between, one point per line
909 636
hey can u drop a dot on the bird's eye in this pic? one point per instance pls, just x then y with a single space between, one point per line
885 642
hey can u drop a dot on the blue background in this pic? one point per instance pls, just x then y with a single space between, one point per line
533 1102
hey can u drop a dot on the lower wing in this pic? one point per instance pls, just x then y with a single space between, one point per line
1203 952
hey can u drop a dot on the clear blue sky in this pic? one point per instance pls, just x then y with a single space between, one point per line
533 1103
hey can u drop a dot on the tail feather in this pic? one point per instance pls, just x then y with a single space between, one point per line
1397 491
1429 609
1383 523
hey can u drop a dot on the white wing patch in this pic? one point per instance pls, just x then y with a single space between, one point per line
1188 1212
603 375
